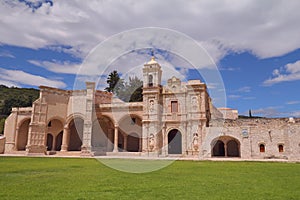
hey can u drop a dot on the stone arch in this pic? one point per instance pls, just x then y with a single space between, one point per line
55 128
225 146
218 148
128 125
22 137
76 134
73 116
103 134
174 142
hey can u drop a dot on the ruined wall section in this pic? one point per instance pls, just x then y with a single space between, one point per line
270 132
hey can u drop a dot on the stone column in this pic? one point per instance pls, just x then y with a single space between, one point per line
165 141
145 137
225 148
116 140
86 147
53 143
140 144
65 139
125 141
109 146
16 139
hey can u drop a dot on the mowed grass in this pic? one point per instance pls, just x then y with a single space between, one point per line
87 178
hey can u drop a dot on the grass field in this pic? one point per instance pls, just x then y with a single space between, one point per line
75 178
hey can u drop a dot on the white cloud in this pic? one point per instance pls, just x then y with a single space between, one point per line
6 54
290 72
295 114
12 77
234 96
221 26
271 111
57 66
244 89
292 102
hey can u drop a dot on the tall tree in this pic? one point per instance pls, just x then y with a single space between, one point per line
130 91
136 89
115 83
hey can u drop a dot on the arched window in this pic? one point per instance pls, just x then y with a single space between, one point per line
262 148
280 148
150 81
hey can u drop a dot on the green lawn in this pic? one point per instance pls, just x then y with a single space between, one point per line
75 178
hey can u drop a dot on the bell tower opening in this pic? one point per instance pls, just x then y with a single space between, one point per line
152 74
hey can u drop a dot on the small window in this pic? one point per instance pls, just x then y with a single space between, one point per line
150 83
49 124
262 148
133 121
174 106
280 148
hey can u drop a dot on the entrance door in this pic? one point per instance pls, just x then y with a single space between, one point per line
174 142
219 149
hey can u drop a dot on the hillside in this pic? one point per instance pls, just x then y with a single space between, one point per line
14 97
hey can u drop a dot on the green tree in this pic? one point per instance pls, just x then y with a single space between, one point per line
115 83
131 91
136 89
2 123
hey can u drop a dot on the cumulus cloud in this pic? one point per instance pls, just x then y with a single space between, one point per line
290 72
220 26
57 66
16 77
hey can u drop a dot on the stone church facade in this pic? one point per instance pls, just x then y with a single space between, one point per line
177 119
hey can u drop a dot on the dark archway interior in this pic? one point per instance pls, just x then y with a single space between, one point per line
226 147
49 142
233 149
174 142
23 135
133 142
59 141
76 134
219 149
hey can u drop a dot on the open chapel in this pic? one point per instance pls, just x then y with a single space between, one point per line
177 119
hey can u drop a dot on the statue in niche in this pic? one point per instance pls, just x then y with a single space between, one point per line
151 105
151 142
194 103
195 142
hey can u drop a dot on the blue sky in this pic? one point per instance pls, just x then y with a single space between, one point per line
255 44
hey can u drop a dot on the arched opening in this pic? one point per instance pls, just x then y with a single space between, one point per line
280 148
58 141
218 149
133 142
23 135
150 81
262 148
233 149
174 142
49 141
130 132
103 135
76 134
225 146
55 129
